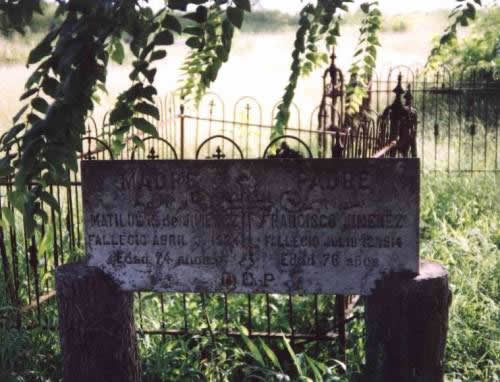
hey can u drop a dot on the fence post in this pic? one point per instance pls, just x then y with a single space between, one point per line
182 117
96 327
406 326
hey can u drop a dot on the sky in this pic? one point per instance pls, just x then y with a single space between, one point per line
387 6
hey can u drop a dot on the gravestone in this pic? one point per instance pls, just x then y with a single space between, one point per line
252 226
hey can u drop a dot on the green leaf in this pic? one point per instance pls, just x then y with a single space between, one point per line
149 74
12 133
200 16
373 40
50 200
118 54
5 167
46 243
148 109
40 104
117 146
254 351
369 61
227 32
145 126
341 364
8 214
372 50
365 7
16 198
158 55
235 16
243 4
28 94
148 92
316 372
165 37
171 22
195 31
43 49
193 42
470 11
49 86
138 142
120 113
271 355
445 39
20 113
180 5
293 356
120 131
34 78
72 161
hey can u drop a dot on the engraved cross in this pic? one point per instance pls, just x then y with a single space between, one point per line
249 203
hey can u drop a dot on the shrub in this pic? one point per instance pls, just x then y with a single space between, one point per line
479 51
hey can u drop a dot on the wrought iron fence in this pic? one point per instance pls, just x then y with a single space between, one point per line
456 132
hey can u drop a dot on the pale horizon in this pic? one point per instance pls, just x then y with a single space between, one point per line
386 6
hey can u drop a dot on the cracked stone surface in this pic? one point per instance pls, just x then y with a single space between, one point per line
249 226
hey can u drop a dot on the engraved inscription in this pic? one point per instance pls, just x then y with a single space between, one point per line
308 226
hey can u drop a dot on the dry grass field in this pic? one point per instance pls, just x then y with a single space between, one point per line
259 65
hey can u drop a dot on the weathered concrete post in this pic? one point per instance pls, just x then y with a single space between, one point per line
407 324
96 327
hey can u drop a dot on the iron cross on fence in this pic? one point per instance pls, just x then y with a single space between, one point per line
152 154
219 154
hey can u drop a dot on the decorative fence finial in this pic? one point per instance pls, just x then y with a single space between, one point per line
333 91
398 90
408 134
401 123
338 148
408 97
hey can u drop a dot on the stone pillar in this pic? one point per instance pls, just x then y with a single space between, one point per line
96 326
406 325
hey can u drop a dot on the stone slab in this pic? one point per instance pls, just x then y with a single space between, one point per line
251 226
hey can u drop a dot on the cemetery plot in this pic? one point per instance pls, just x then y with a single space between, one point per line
279 226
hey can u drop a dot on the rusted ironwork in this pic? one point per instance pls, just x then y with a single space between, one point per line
284 151
207 141
95 148
219 154
409 138
398 123
333 94
155 147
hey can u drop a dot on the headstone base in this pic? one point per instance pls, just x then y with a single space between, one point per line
407 324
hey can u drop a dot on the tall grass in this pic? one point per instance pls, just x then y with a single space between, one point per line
460 227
